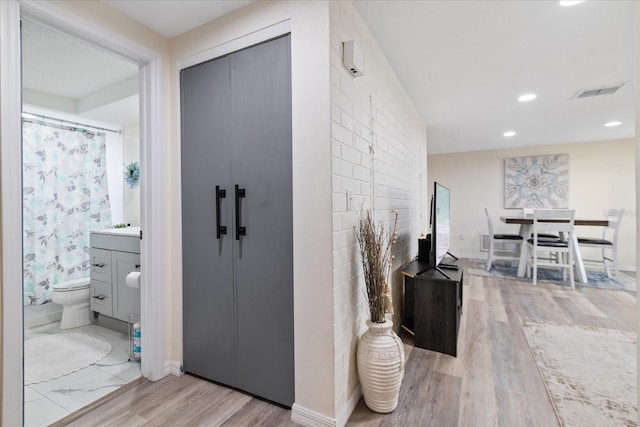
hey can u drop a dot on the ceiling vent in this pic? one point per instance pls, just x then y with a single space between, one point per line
604 90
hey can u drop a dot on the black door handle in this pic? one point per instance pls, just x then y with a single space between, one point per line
100 265
240 231
220 229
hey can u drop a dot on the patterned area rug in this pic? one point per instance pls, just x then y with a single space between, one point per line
596 278
590 373
63 354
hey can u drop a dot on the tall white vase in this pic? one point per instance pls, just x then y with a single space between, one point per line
380 366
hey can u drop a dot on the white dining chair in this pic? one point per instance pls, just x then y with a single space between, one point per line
528 213
608 242
493 238
543 222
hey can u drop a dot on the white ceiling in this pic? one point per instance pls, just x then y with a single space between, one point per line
463 63
172 18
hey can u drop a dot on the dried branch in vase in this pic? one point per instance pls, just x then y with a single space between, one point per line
376 256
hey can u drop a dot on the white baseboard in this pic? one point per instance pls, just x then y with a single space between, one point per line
309 418
172 367
461 255
631 268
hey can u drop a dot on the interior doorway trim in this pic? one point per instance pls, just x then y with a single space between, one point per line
262 35
152 161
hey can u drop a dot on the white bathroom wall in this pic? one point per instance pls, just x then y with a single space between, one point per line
131 154
115 176
114 143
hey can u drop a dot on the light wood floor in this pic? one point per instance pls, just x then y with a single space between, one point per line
493 381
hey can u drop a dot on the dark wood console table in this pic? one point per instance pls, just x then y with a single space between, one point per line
433 306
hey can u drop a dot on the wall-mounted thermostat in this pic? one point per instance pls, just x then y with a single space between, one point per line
352 58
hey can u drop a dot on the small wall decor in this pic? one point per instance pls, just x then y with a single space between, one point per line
536 182
132 174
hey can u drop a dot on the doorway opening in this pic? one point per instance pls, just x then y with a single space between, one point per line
80 171
151 188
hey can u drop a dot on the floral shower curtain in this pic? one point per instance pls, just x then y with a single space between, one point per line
64 196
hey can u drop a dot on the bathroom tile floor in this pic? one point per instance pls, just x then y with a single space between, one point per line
49 401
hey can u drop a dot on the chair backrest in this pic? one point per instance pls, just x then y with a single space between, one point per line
486 211
542 221
614 216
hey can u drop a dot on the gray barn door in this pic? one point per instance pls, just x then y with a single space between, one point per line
207 262
236 133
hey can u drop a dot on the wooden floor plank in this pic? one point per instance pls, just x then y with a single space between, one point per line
477 398
495 305
493 381
475 287
259 413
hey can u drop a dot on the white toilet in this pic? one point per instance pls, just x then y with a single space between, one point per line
73 296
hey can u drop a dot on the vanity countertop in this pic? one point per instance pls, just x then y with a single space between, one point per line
128 231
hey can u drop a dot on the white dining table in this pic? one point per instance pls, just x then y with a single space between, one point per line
526 226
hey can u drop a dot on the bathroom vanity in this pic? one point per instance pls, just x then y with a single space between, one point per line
115 252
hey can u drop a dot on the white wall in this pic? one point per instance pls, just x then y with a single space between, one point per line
378 146
131 154
601 176
313 293
114 142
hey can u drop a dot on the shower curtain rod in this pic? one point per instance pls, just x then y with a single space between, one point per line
30 117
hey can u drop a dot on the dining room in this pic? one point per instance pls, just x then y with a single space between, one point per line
600 176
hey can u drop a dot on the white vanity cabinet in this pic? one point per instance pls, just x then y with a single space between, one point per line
114 254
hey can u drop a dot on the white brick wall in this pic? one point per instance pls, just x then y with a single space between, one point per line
378 141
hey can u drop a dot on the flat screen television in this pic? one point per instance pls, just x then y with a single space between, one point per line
440 222
440 228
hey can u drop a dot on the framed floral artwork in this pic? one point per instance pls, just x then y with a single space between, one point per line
536 182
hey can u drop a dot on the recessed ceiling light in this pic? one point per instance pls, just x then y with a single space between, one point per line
612 124
527 97
568 3
509 133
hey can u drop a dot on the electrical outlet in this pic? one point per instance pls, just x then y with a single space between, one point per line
460 236
349 200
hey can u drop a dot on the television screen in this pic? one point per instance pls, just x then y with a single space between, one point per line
440 227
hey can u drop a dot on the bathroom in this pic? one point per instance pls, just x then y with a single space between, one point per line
81 217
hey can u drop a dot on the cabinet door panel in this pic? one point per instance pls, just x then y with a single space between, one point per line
126 299
261 123
208 316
